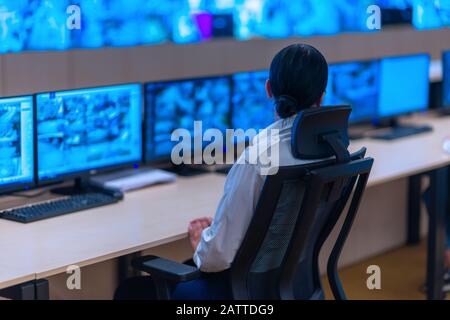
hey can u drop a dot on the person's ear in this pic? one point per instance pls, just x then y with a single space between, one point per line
268 89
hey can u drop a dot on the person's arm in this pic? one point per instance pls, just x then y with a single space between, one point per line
219 243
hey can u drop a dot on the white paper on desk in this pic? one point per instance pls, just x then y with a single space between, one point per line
145 179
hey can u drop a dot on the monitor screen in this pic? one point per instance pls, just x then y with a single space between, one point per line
88 129
16 142
446 79
394 4
356 84
285 18
429 14
33 25
177 104
251 108
404 85
195 21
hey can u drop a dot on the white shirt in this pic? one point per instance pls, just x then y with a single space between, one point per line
220 242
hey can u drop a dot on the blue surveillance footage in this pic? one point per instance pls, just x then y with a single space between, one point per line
42 24
394 4
176 105
446 79
431 14
284 18
404 84
117 23
356 84
251 108
16 141
82 130
33 25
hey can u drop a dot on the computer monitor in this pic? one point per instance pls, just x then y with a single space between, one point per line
281 19
195 21
251 108
357 84
175 105
431 14
446 79
16 143
79 131
404 85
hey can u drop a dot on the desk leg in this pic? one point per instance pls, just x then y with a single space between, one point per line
125 270
414 202
23 291
31 290
436 232
42 289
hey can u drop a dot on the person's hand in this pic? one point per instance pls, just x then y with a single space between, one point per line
195 230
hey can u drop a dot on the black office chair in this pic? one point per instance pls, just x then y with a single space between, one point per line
296 212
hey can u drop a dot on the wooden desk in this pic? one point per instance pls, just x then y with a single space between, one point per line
408 156
160 214
145 219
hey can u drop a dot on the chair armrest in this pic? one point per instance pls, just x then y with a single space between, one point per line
166 269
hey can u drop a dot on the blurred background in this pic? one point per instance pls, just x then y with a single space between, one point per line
121 41
28 25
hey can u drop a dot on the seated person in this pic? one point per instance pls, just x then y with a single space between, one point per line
297 81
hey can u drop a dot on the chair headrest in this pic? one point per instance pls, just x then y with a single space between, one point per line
321 133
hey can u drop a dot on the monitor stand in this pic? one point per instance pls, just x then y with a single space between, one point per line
82 185
356 132
443 112
393 130
79 186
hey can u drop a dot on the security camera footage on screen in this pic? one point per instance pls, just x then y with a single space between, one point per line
356 84
174 105
88 129
383 88
43 25
252 109
16 141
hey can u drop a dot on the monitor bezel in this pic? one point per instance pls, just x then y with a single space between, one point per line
23 186
427 108
445 78
148 108
82 173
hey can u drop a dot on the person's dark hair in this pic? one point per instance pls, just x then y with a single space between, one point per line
298 78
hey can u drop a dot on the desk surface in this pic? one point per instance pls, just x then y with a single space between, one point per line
145 219
408 156
160 214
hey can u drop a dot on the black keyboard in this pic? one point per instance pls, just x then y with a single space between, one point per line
401 132
58 207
